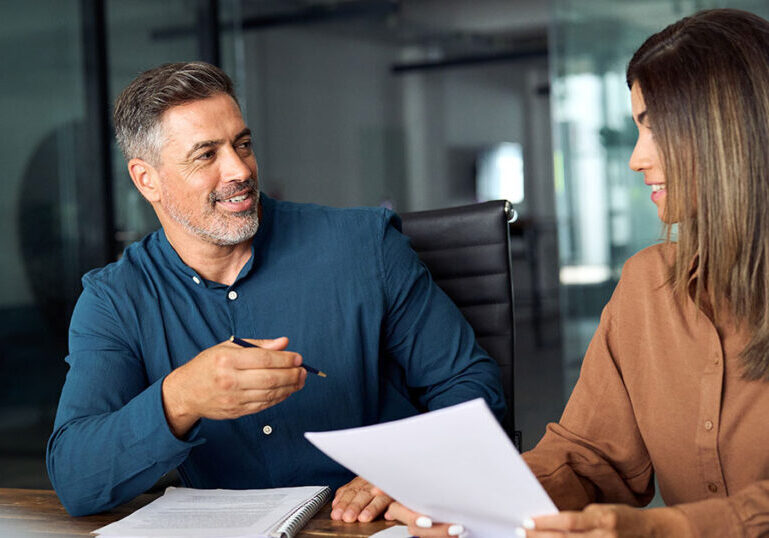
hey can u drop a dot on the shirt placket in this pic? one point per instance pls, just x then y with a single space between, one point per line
709 418
261 425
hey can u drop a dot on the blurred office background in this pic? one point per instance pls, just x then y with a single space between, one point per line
411 104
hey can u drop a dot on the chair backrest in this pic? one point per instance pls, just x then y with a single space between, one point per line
467 250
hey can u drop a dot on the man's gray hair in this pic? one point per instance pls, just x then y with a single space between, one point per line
140 106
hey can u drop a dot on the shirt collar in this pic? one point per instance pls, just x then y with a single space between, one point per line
257 246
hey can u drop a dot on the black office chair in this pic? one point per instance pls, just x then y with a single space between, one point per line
467 250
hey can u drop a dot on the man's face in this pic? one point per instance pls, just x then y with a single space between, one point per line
207 169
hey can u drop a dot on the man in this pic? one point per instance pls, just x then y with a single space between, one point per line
154 382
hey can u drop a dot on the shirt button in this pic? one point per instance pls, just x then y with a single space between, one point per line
708 425
267 430
196 280
712 488
232 295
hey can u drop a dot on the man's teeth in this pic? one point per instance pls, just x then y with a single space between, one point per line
658 187
236 199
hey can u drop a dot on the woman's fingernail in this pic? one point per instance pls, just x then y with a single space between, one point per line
456 530
528 523
424 522
520 532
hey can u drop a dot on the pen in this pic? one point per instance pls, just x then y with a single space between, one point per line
242 343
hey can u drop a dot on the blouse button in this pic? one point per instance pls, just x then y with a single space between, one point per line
708 425
196 280
267 429
712 488
232 295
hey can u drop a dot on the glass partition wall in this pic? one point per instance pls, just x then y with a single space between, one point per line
68 203
604 210
43 228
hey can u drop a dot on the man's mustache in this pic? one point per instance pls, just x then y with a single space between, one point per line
232 189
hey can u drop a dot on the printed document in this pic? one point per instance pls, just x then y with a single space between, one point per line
454 465
279 513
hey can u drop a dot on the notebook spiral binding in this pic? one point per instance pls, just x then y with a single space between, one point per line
296 521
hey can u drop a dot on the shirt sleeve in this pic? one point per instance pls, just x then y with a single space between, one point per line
747 510
427 334
595 453
111 440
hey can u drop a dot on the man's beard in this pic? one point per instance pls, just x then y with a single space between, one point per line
214 227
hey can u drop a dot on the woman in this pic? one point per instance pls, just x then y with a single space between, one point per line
676 379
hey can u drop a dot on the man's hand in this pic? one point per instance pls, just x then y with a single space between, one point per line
229 381
355 501
612 521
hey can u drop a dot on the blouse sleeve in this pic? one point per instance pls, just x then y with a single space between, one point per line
595 453
747 510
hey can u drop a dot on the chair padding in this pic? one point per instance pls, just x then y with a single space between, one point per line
467 251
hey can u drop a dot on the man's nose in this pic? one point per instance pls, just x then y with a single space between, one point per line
234 166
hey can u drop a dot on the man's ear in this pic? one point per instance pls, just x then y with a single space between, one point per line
146 178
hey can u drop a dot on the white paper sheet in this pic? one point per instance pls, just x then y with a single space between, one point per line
396 531
212 513
454 465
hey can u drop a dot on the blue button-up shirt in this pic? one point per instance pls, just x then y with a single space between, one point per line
342 284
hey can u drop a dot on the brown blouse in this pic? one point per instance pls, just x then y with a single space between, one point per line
661 391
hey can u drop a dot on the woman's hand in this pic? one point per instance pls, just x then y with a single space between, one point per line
420 525
595 521
611 521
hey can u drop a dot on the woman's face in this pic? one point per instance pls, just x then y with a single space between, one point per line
645 157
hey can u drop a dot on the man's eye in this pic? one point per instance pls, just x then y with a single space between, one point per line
206 156
245 145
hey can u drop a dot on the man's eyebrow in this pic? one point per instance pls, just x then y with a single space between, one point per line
241 134
204 144
214 143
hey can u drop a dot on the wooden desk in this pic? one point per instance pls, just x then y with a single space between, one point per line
38 513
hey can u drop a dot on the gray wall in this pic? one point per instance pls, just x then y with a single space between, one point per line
334 125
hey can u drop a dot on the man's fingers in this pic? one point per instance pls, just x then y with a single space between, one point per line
343 497
275 344
248 358
377 505
264 396
268 379
356 505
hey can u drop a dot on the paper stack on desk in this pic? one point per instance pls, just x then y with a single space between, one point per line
271 513
455 465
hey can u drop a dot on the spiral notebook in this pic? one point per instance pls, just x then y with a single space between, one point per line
268 513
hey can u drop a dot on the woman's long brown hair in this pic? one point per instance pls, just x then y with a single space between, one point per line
705 82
